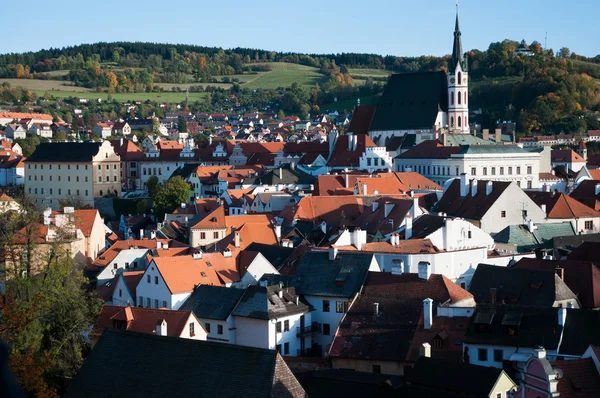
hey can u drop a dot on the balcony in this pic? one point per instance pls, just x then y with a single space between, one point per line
313 352
309 330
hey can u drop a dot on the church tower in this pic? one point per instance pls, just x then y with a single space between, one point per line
458 86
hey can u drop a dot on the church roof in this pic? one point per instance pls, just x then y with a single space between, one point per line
458 56
411 101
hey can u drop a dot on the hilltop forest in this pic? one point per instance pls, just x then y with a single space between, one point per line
545 92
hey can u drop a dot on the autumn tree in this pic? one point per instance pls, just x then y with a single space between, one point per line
167 197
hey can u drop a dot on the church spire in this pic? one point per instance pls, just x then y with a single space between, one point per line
458 56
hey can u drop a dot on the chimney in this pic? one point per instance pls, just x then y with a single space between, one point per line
237 239
158 244
425 350
165 246
357 238
332 253
280 293
387 208
346 181
142 233
349 141
424 270
375 309
280 174
161 327
364 189
427 313
539 352
121 141
498 136
415 207
474 187
489 187
597 190
375 206
492 295
408 228
562 316
531 226
486 134
278 231
464 185
227 253
543 207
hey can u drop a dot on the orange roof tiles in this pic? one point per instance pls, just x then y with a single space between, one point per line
562 206
182 274
20 115
84 220
566 155
5 198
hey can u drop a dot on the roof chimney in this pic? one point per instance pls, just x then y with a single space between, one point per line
539 352
349 141
375 309
158 244
346 181
562 316
498 136
415 207
543 207
408 228
280 174
474 187
424 270
333 251
489 187
278 231
425 350
161 327
486 134
364 189
464 185
427 313
531 226
280 293
237 239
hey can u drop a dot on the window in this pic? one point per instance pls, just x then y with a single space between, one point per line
497 355
493 171
469 235
465 98
192 333
59 191
278 348
107 166
50 191
148 278
115 178
524 213
452 98
77 178
155 303
107 178
286 326
501 171
86 192
528 169
99 178
115 167
452 121
341 306
482 354
459 118
148 302
116 265
518 170
377 369
519 184
459 97
473 171
278 327
141 301
202 235
510 171
459 77
457 172
529 185
499 395
437 342
286 349
219 329
207 327
589 225
216 235
78 192
326 304
326 329
503 214
156 280
69 178
485 171
368 161
164 304
120 292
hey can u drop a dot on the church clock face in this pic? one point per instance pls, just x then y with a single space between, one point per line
452 80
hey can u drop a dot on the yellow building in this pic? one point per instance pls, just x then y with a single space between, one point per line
72 171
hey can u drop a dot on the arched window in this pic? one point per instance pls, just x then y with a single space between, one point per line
459 121
459 77
465 98
452 121
452 98
459 95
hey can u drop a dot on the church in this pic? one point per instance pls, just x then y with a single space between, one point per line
416 107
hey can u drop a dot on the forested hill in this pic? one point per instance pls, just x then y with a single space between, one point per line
542 92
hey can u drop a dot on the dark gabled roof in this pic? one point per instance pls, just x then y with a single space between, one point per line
582 329
468 379
263 302
288 176
425 225
580 378
411 101
318 276
361 119
185 171
430 149
469 207
213 302
64 152
386 336
519 286
588 250
531 327
176 367
328 383
275 254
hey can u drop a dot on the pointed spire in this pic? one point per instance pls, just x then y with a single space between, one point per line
458 56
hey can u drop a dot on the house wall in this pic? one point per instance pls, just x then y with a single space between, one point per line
579 224
47 183
257 268
507 351
332 318
375 158
214 330
159 291
503 387
117 265
254 332
199 332
96 242
196 240
455 235
121 295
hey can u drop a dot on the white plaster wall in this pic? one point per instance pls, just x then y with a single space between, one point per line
125 256
254 332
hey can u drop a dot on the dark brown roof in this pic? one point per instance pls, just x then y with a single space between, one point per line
431 149
469 207
579 379
361 119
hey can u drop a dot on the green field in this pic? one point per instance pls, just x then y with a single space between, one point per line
283 75
364 73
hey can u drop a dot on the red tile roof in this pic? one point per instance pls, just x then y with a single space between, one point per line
362 118
85 219
579 379
342 157
182 274
565 156
19 116
586 194
561 206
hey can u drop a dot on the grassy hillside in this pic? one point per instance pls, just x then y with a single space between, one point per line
283 75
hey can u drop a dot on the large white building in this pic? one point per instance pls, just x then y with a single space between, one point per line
508 163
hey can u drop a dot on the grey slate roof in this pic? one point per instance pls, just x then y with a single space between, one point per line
344 277
213 302
491 149
144 365
521 286
65 152
411 101
541 238
288 175
276 255
582 329
263 302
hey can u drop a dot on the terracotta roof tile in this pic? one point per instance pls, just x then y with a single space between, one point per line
85 219
566 155
579 379
181 274
561 206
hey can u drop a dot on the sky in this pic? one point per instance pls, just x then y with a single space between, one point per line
394 27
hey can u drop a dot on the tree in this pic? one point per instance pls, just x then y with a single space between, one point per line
171 195
152 185
181 124
280 114
565 52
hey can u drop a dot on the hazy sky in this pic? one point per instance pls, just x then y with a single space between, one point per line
397 27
